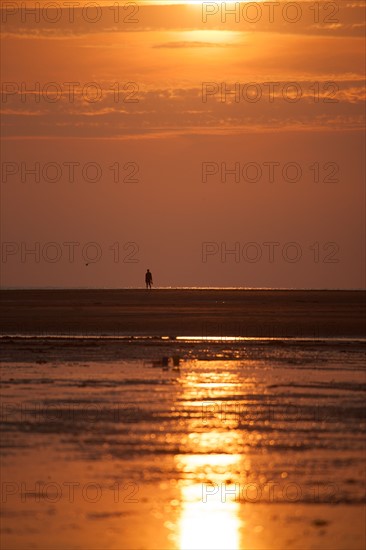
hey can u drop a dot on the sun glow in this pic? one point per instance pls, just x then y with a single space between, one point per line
194 3
214 36
210 515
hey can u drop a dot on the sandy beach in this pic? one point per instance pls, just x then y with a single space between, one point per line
115 436
256 313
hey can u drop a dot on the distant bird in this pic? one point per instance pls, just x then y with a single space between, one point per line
86 264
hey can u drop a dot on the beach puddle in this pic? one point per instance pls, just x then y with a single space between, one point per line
172 452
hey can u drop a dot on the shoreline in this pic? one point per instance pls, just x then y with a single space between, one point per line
178 288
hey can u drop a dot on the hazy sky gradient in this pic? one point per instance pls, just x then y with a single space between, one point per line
161 139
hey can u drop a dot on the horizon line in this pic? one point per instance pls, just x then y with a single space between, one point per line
182 288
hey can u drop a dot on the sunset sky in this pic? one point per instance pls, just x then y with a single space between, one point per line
132 155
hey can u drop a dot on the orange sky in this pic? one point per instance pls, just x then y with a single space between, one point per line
160 124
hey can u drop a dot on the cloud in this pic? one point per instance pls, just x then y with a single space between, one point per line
184 111
332 20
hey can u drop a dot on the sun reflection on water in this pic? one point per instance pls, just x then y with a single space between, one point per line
210 512
209 517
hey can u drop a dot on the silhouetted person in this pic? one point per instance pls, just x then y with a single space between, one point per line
148 279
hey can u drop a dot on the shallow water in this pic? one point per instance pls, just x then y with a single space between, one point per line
213 445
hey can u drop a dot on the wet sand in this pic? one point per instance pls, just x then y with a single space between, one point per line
263 313
127 442
258 453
